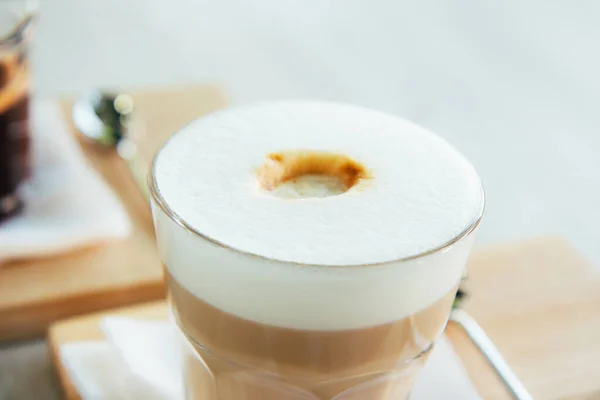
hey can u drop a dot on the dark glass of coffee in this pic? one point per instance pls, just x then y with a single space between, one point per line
16 22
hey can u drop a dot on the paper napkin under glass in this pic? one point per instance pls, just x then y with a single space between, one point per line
142 359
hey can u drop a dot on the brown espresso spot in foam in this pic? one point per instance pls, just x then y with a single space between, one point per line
324 363
289 165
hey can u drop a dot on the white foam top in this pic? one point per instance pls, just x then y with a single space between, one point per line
421 195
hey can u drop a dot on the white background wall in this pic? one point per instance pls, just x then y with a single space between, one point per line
513 84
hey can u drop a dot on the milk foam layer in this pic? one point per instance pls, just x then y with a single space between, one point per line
422 195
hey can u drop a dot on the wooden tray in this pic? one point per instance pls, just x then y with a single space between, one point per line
36 293
538 300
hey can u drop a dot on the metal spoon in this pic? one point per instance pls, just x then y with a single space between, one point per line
105 120
488 349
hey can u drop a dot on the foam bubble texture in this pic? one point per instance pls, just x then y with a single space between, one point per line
422 194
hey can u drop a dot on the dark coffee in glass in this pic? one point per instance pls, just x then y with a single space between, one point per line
14 111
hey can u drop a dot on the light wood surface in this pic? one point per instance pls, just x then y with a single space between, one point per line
538 300
35 293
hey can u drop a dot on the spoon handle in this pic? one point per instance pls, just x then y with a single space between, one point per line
127 150
491 353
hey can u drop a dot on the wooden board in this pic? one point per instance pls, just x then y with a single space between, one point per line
538 300
36 293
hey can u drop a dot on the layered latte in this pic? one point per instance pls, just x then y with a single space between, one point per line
311 250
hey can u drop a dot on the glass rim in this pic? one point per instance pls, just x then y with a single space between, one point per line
160 201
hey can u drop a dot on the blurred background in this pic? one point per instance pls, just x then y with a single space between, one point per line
515 85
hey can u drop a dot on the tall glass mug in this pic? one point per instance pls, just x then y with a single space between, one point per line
260 328
16 24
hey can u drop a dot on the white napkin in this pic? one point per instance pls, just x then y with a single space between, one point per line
67 203
142 359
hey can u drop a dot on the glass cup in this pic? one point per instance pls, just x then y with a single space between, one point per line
232 358
16 25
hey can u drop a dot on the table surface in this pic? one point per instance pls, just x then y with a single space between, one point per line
514 85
